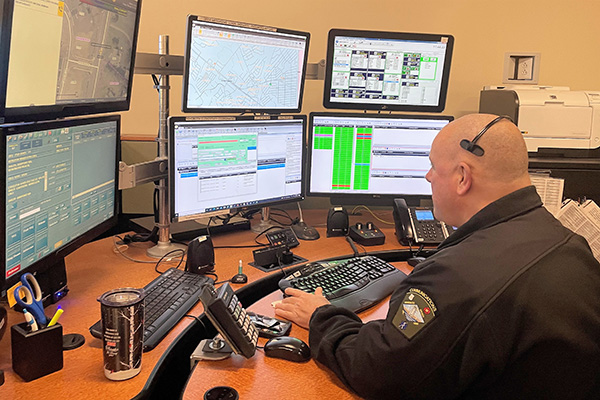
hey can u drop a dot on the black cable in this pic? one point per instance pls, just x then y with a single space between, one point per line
167 254
197 319
351 243
212 273
139 237
250 213
281 266
419 250
156 82
364 249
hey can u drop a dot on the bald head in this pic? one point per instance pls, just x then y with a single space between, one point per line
462 182
505 153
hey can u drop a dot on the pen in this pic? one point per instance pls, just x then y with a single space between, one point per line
30 320
56 316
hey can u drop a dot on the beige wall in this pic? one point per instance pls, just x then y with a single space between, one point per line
566 33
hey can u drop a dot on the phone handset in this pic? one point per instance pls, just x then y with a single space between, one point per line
404 231
417 225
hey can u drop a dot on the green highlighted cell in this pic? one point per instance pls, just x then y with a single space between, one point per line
223 150
342 158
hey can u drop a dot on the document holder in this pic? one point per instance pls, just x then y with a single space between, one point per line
35 354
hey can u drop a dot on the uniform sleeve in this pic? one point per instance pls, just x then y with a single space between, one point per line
361 355
379 360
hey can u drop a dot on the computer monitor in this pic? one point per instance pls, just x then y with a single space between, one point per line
220 165
238 67
59 191
371 70
69 57
371 159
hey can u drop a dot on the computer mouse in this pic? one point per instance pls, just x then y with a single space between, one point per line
413 261
305 232
287 348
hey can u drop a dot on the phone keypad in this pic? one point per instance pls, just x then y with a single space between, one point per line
231 320
429 231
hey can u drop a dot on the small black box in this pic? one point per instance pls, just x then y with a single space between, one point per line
35 354
337 222
270 256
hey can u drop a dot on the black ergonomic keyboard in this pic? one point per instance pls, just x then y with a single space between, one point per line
168 298
354 283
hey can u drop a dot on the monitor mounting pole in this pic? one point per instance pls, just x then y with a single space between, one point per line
265 221
129 176
164 245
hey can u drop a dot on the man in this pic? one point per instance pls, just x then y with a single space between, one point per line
508 308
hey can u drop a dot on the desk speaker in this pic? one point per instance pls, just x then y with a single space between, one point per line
337 222
200 256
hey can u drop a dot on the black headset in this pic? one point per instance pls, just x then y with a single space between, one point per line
472 146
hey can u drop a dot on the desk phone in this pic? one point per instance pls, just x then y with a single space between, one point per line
417 225
224 310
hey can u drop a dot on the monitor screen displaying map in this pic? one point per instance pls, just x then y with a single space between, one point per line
70 57
397 71
238 67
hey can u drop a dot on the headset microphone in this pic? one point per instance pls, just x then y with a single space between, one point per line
472 146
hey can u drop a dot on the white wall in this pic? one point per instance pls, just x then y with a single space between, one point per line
566 33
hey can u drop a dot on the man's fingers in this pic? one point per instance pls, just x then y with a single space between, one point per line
294 292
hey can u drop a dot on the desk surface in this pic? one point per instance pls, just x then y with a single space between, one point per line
97 268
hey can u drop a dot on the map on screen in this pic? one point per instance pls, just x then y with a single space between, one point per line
236 68
86 47
95 51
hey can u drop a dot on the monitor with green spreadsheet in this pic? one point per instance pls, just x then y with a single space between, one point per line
370 158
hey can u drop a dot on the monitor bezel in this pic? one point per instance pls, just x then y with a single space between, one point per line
54 111
234 24
333 33
234 119
5 34
371 199
58 255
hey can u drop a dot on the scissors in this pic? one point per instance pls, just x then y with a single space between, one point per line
29 296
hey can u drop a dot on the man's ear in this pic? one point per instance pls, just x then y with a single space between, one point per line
465 179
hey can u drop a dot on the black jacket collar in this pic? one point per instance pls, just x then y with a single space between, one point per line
516 203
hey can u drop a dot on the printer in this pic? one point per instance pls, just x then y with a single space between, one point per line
549 117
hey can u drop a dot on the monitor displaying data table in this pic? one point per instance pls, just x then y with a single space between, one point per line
371 159
397 71
220 165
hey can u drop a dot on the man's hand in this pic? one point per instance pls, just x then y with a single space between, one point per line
300 306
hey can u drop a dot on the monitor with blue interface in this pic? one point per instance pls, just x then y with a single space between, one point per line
371 70
59 190
371 158
70 57
238 67
220 165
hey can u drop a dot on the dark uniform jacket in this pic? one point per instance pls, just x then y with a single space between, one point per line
508 308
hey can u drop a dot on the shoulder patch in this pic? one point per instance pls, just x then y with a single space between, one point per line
415 312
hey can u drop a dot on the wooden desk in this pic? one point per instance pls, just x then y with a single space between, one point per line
97 268
269 378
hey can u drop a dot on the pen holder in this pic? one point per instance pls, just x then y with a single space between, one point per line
35 354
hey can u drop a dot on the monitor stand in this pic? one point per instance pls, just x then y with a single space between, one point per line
188 230
265 221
